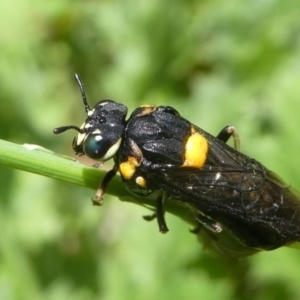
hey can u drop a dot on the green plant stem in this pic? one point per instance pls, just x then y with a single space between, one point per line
38 160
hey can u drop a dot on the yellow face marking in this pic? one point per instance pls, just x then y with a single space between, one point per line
140 181
91 112
195 150
127 168
112 150
81 136
97 131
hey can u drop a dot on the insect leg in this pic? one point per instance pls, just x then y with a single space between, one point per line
159 214
97 200
135 149
149 217
209 224
227 132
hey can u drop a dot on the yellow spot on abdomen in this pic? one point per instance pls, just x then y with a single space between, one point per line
127 168
196 150
140 181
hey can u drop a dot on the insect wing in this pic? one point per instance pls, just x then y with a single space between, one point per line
256 206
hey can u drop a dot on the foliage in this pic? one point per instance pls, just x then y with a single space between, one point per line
217 62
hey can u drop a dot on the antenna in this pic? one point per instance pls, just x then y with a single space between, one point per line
81 87
59 130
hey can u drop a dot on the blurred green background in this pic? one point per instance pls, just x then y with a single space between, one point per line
217 62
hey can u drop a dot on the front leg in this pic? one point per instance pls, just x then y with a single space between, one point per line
98 198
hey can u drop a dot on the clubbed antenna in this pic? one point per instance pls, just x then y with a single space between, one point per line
59 130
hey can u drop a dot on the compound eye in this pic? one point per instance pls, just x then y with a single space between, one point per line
96 146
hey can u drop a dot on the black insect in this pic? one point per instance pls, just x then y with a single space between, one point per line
156 149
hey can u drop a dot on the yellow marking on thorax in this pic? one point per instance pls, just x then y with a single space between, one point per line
196 149
147 110
128 168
